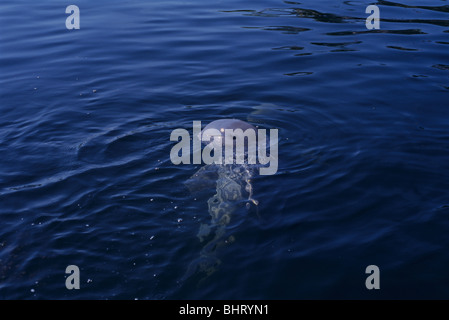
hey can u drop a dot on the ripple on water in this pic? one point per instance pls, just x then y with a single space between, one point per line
86 177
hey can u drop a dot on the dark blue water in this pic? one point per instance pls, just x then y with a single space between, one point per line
85 171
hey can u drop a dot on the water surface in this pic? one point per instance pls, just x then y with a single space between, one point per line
85 170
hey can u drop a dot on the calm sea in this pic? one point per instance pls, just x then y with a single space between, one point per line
86 177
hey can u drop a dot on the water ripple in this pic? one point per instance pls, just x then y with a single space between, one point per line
86 177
